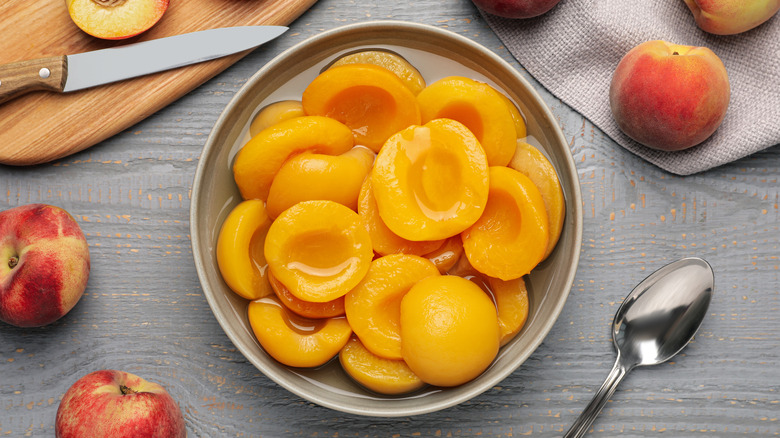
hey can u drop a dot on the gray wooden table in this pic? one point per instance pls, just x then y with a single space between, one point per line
144 311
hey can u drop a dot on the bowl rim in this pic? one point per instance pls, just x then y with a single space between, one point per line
566 165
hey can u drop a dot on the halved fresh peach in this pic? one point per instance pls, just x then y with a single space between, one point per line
431 181
477 105
116 19
390 60
383 239
510 238
385 376
371 100
307 309
240 250
258 161
320 250
309 176
274 113
511 298
294 340
373 306
532 163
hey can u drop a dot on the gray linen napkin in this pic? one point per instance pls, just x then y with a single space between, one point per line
573 49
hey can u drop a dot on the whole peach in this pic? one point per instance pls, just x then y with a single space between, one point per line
44 264
728 17
516 8
117 404
668 96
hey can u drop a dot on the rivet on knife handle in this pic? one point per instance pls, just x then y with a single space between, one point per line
37 74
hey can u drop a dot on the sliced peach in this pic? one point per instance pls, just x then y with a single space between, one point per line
478 106
446 256
431 181
385 376
449 329
511 298
510 238
371 100
293 340
274 113
309 176
258 161
319 250
390 60
383 240
240 250
307 309
116 19
373 306
532 163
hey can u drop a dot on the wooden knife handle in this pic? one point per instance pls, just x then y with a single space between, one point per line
37 74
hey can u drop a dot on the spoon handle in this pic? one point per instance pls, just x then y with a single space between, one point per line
586 418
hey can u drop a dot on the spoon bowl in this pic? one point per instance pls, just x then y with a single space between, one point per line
654 323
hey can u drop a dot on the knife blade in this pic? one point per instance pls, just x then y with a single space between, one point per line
68 73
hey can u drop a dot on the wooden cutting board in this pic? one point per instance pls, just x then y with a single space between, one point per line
39 127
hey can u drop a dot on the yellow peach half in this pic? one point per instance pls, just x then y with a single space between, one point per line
532 163
274 113
390 60
260 159
383 239
371 100
477 105
446 256
510 238
293 340
319 250
240 250
463 268
517 117
384 376
449 330
431 181
309 176
511 299
373 306
303 308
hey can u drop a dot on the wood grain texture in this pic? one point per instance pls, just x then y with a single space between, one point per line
22 77
41 127
144 311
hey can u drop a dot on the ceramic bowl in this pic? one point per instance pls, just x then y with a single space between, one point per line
436 53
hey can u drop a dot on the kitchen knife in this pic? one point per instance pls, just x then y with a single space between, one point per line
84 70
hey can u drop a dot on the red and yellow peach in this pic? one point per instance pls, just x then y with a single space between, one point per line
669 96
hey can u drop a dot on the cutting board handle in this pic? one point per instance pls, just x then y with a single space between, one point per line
37 74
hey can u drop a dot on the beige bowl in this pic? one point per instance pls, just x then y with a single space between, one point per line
436 53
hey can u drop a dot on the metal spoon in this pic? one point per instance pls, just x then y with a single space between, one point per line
656 320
